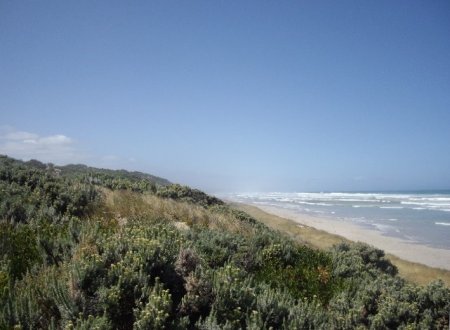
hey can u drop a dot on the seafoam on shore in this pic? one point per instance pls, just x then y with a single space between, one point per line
420 217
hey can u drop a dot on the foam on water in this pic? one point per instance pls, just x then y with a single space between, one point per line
424 216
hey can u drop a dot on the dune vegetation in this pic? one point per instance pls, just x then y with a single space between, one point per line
86 248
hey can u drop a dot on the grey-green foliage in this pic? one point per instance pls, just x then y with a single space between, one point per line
273 307
235 295
89 323
187 194
215 247
149 274
112 179
38 301
359 258
154 313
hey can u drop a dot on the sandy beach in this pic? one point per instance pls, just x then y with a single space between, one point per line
410 251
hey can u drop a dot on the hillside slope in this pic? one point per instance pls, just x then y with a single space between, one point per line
110 250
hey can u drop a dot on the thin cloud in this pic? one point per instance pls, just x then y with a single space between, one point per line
58 148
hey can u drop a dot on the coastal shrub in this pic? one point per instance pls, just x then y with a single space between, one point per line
4 281
309 314
187 261
186 194
215 247
196 303
111 179
28 191
304 272
240 215
38 301
359 258
111 276
154 314
272 308
234 296
91 322
18 249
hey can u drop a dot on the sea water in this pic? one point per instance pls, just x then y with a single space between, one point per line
420 217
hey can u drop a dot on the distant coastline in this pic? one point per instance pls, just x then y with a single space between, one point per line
418 218
384 220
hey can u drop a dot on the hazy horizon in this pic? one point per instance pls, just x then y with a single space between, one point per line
230 97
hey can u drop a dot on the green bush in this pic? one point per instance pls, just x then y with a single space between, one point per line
18 249
302 271
186 194
360 258
234 296
215 247
155 313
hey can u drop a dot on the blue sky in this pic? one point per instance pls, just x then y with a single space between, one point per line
233 95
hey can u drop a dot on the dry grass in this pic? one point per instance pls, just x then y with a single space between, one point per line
413 272
419 273
123 205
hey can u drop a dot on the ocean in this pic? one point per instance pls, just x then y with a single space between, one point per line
419 217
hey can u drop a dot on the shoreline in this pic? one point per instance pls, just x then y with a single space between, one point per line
400 248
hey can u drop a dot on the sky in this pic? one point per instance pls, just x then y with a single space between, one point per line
231 96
